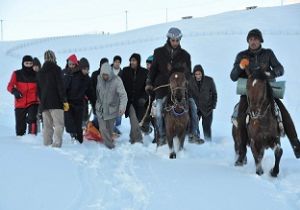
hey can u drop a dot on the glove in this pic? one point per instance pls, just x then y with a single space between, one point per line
66 106
16 93
149 89
244 63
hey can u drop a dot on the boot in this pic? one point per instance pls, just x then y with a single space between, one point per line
296 146
195 139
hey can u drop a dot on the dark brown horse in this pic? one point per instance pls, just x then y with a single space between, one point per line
262 126
176 111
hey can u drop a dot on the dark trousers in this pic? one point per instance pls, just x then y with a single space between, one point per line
242 135
26 115
287 121
206 125
73 120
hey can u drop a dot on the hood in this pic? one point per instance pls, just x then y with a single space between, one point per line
106 69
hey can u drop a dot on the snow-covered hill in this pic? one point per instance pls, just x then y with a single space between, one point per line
88 176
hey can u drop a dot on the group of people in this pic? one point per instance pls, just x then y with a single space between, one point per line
60 95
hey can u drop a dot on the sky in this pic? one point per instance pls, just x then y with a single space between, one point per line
35 18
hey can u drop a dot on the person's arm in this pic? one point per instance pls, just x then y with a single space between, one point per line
277 68
236 71
214 94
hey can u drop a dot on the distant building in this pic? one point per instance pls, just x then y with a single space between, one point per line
187 17
251 7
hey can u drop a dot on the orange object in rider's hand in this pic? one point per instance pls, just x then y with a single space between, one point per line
244 63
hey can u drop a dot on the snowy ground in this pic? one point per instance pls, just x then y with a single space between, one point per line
139 177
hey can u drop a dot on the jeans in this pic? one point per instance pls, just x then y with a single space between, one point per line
194 122
118 121
159 117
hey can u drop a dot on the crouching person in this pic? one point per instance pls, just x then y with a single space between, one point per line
111 102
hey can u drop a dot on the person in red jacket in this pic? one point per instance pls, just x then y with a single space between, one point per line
23 86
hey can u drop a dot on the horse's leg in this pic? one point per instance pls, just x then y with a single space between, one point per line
171 145
278 153
258 153
181 138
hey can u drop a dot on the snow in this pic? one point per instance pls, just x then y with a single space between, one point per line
134 177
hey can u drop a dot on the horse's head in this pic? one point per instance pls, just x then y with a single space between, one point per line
178 87
259 92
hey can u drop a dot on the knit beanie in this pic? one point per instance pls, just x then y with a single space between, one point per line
149 59
49 56
255 33
27 58
73 59
84 63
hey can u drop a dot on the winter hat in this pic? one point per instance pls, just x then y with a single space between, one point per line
174 33
137 57
84 63
73 59
117 57
36 62
27 58
102 61
198 67
149 59
255 33
49 56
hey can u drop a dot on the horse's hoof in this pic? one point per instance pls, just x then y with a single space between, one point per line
172 156
259 172
238 163
274 173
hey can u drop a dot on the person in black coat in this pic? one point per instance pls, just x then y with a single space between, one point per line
134 80
77 86
166 58
52 100
203 90
256 58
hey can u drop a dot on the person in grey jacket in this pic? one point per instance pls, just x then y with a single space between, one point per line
203 91
111 102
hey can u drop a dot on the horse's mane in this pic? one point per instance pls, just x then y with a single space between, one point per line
260 75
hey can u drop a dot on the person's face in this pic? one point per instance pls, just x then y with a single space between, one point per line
148 66
85 71
133 63
36 68
198 75
105 77
254 43
174 43
116 64
28 64
71 65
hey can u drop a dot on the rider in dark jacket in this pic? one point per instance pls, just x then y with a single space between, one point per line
255 58
166 58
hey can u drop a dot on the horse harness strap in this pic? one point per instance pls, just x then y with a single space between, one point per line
258 115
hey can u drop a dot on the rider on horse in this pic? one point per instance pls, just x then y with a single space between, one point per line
165 59
258 58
